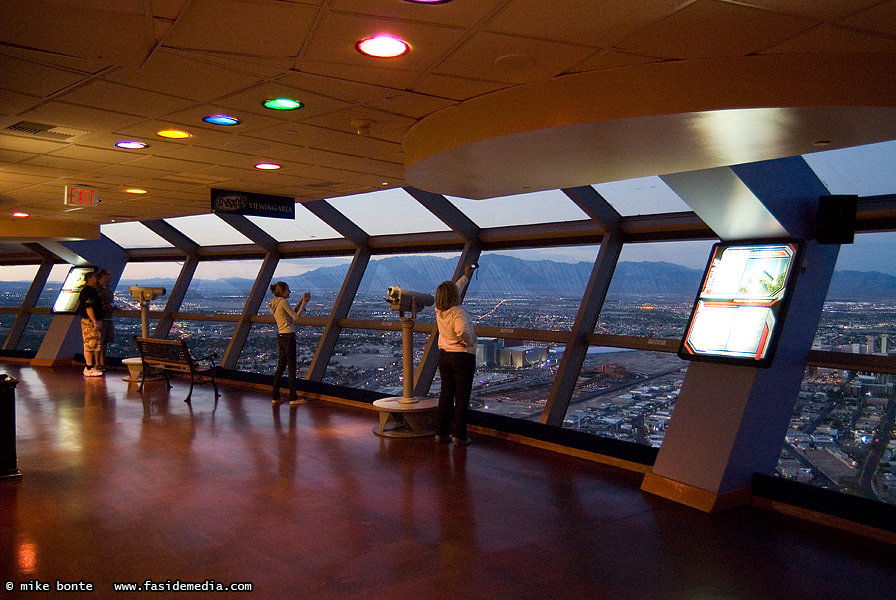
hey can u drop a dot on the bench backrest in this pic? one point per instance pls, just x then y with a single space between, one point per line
168 351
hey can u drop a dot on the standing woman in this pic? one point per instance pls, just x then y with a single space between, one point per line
457 361
286 318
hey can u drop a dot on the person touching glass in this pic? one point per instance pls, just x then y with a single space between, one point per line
457 361
286 318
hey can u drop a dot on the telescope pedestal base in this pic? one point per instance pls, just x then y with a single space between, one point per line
406 419
135 370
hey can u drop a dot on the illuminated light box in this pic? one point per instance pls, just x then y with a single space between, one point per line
67 301
742 302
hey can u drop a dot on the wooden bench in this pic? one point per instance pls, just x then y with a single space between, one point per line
164 356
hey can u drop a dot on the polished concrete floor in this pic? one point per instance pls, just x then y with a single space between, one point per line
307 502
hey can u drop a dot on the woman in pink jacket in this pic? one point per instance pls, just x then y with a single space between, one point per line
286 318
457 361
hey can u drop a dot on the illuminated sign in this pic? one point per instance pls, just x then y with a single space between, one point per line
740 309
250 203
80 196
67 301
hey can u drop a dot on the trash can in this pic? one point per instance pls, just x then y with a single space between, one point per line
8 467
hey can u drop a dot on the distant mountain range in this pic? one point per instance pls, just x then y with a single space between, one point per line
502 275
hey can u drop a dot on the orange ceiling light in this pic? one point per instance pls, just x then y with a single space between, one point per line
383 46
174 134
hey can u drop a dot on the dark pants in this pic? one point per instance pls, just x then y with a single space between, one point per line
456 371
286 349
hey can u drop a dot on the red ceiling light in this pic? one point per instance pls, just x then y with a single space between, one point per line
265 166
383 46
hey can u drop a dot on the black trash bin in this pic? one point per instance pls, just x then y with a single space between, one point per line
8 467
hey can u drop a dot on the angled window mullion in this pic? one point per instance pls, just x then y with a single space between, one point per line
449 214
330 336
30 301
595 206
176 296
589 311
250 309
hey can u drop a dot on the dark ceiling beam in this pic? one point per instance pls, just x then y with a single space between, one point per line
250 230
173 236
449 214
335 219
595 206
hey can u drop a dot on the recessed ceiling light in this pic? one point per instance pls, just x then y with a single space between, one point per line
226 120
174 134
20 214
267 166
135 191
383 46
282 104
131 144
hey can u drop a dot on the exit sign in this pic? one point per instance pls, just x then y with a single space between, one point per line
80 196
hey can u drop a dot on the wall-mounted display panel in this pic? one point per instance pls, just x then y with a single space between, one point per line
742 302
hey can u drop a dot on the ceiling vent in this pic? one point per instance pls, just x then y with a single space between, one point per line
43 131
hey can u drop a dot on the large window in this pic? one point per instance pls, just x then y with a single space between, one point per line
416 272
513 377
651 296
551 206
388 212
220 286
259 353
371 360
859 314
626 394
144 274
15 282
530 289
842 434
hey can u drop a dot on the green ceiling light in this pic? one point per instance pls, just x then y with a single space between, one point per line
282 104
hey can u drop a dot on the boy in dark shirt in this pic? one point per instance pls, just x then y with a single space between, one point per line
92 312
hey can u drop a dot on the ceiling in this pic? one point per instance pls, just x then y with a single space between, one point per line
609 89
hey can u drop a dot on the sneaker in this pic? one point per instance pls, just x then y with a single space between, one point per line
461 442
297 401
275 401
89 372
443 439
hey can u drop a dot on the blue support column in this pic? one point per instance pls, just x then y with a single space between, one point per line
63 338
729 421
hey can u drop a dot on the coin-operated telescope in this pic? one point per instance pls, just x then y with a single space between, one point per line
144 295
407 300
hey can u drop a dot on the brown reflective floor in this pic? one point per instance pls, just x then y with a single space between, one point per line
307 502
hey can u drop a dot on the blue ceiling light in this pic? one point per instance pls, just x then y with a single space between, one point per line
226 120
